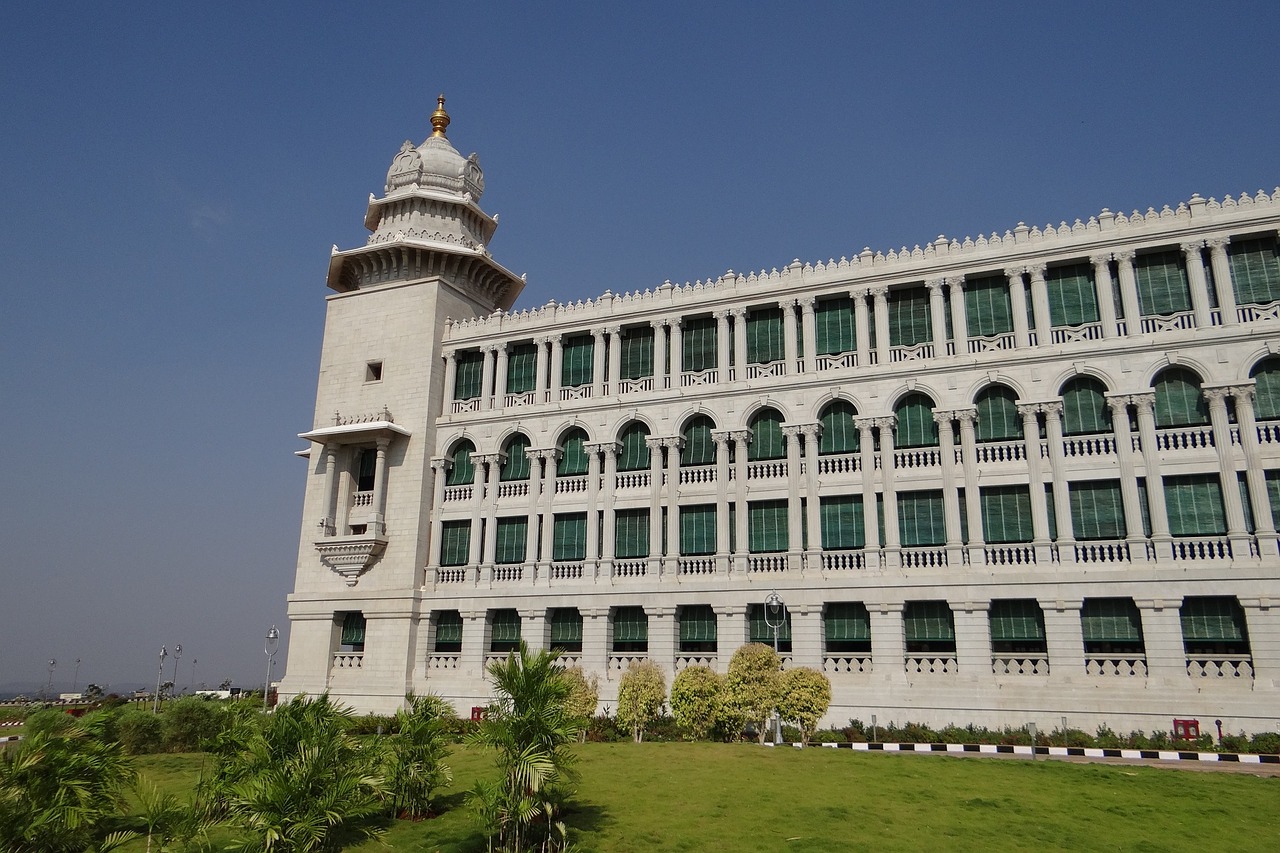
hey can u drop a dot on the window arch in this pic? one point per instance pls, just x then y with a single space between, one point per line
516 467
998 418
1178 399
839 433
574 459
698 448
1084 407
1266 375
916 428
766 436
635 453
463 470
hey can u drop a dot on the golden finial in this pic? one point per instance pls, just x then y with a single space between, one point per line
439 118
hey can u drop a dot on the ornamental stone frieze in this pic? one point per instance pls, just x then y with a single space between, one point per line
351 556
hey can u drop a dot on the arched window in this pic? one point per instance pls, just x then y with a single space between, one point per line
1266 374
574 459
998 418
517 465
698 448
915 422
635 453
1178 399
1084 407
766 436
463 471
839 434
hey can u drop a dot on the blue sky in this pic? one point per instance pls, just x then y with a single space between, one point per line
173 176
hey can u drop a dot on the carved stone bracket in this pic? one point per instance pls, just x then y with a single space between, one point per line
351 556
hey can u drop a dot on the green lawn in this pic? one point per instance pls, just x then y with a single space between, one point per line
712 797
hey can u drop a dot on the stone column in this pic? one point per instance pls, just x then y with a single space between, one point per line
535 489
481 465
722 439
973 637
673 444
540 381
888 642
1018 307
881 310
731 633
959 319
795 518
1040 304
490 352
487 556
1160 538
972 497
1134 535
329 521
1106 297
659 354
609 545
1262 618
440 466
598 383
1199 287
1263 522
892 538
535 629
474 642
551 457
1222 281
1058 476
1236 533
937 316
450 375
593 505
1129 291
615 359
809 328
861 326
377 510
739 316
1064 637
870 510
806 636
1162 637
557 367
655 504
1035 483
790 348
677 350
722 344
741 438
662 636
950 494
813 507
595 640
500 379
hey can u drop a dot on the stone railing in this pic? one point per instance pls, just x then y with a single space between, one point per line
572 484
1253 313
915 352
924 558
575 392
508 574
1102 551
523 398
621 661
362 499
1171 323
1077 334
1088 446
566 659
840 463
696 565
1025 663
1220 666
348 660
917 457
707 659
635 386
844 561
698 378
846 663
1269 432
630 568
766 469
766 369
451 574
698 474
441 660
1011 554
1130 666
1202 548
513 488
933 664
990 452
463 406
1185 438
991 343
567 571
766 563
632 480
837 361
458 493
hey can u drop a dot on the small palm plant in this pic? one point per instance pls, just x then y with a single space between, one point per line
413 758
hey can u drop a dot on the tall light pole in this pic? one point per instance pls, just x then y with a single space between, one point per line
76 680
194 661
272 644
48 687
177 653
155 705
775 616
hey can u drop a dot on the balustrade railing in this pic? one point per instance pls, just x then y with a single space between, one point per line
924 558
1010 554
991 343
1220 666
840 463
1129 666
632 480
696 378
630 568
766 469
844 561
766 369
567 571
766 563
836 361
461 406
1088 446
576 392
992 452
457 493
1170 323
513 488
698 474
443 661
937 664
707 659
622 662
508 574
1185 438
696 565
917 457
1077 334
454 574
846 663
348 660
1269 432
1102 551
1026 663
633 386
571 485
1202 548
1253 313
911 353
523 398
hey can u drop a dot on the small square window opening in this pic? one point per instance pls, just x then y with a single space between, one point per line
373 371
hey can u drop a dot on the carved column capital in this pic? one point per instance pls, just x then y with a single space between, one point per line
613 330
489 458
653 443
450 354
738 312
864 423
608 448
1119 404
1015 272
658 324
1037 271
1124 255
806 304
955 281
1217 395
878 291
1144 400
722 313
1052 407
441 463
1191 247
741 435
721 437
1100 260
676 441
598 333
889 423
1028 409
935 284
966 416
492 349
547 339
1217 245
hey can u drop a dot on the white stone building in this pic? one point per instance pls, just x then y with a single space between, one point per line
1015 478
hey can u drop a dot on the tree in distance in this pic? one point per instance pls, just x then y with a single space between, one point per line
697 700
641 695
806 695
584 696
754 685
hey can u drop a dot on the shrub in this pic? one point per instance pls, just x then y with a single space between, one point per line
412 760
641 695
139 731
190 723
1234 743
696 696
1267 743
806 695
605 729
49 721
754 686
584 695
828 736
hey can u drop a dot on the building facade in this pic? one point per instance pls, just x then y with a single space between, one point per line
1023 477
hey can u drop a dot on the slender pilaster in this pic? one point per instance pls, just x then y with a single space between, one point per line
608 549
557 367
790 346
1058 476
809 330
655 504
937 316
1162 637
723 351
659 354
1106 296
595 638
739 318
795 520
450 373
870 511
1040 304
959 319
861 326
973 637
377 527
480 466
1134 533
1263 522
615 360
950 493
731 632
892 537
1064 637
474 643
535 490
1018 307
662 636
1222 282
487 556
888 643
487 370
677 350
673 444
1199 287
741 438
722 439
1129 291
813 509
1160 538
1236 533
440 466
329 521
500 377
593 505
880 307
540 381
973 500
598 379
1035 483
550 456
806 636
534 629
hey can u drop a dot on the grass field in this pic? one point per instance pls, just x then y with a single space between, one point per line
714 797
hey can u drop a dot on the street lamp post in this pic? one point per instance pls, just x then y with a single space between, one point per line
75 681
177 654
48 687
194 661
272 644
155 705
775 615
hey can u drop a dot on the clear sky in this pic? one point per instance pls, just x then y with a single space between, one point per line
172 176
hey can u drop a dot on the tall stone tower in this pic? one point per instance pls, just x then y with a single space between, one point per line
358 591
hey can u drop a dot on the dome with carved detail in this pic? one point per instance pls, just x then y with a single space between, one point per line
435 164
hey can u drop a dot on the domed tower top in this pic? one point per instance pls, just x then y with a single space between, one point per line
435 163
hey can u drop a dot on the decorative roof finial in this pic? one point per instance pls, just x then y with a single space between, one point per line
439 118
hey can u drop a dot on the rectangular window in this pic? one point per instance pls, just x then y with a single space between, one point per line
1111 620
448 632
470 370
842 523
928 627
697 530
834 320
1006 514
1194 502
909 320
847 627
699 343
566 629
1018 619
1073 299
367 463
522 369
631 533
1163 288
1212 618
512 534
987 307
920 519
697 628
1255 270
630 630
766 526
760 626
352 638
576 363
637 353
504 630
455 541
764 335
1097 510
569 537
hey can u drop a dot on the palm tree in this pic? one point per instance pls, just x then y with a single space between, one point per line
530 726
413 758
